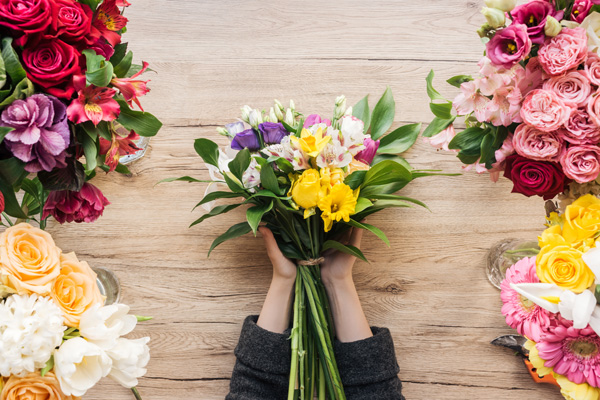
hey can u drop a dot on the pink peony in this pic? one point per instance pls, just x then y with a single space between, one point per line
574 353
593 108
543 110
525 316
442 139
87 205
580 128
581 163
573 88
564 52
592 68
509 45
537 145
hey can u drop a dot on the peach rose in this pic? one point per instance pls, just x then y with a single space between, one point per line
30 258
75 290
33 387
544 110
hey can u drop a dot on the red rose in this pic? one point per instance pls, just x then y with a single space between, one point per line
52 65
535 178
25 18
72 21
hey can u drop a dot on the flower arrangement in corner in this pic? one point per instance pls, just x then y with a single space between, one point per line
57 337
552 300
310 180
67 91
533 113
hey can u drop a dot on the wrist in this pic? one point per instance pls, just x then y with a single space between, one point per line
282 283
339 284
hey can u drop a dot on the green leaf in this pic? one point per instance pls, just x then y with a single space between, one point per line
11 62
383 114
347 249
442 110
355 179
23 89
361 111
400 198
92 3
361 204
12 171
234 184
11 204
263 193
378 232
4 130
119 54
48 367
240 164
124 65
143 319
183 179
143 123
268 179
386 172
90 150
3 77
208 150
437 125
93 132
234 232
99 71
255 214
122 169
431 92
458 80
212 196
468 140
214 212
382 157
487 156
400 140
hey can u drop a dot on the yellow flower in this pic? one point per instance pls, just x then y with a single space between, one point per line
535 359
311 144
305 190
574 391
581 220
552 237
338 205
563 266
329 178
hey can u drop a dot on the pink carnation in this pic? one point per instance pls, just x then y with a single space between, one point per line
592 68
581 163
525 316
564 52
573 88
574 353
543 110
537 145
580 128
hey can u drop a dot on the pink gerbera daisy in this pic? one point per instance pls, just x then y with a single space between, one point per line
522 314
574 353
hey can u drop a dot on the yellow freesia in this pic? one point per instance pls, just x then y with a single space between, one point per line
305 190
563 266
338 205
581 220
311 144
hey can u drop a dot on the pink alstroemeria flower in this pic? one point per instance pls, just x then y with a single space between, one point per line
118 147
123 3
131 88
94 104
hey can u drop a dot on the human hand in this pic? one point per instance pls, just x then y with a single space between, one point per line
337 266
283 268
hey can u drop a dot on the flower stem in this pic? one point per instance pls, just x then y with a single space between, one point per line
295 338
321 383
136 394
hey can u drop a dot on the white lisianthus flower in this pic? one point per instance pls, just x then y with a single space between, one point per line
79 365
591 24
31 327
251 177
129 360
102 326
504 5
352 134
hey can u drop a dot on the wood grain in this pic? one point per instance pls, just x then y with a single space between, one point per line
429 287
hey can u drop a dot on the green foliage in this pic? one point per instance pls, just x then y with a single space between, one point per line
212 196
361 111
124 65
437 125
348 249
208 150
234 232
376 231
255 214
143 123
269 179
458 80
4 130
240 163
386 172
399 140
214 212
383 114
99 71
12 64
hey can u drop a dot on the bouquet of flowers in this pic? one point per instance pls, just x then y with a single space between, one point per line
552 300
310 180
533 113
67 90
57 337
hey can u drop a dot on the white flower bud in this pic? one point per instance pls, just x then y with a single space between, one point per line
340 100
246 113
292 105
279 105
272 115
348 112
494 17
222 131
255 118
503 5
553 27
289 117
279 113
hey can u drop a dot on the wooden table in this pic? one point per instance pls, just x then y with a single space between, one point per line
429 288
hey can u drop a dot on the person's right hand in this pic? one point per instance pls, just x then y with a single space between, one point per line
283 268
337 266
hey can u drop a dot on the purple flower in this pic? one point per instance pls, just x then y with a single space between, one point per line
272 132
533 15
41 132
315 119
246 140
509 46
581 9
368 154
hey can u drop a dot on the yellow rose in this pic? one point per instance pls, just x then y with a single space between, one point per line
563 266
30 259
75 290
581 220
305 189
552 237
33 387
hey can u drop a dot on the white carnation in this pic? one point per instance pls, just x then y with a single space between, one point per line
129 360
31 327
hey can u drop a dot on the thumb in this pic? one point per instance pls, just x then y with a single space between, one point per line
275 255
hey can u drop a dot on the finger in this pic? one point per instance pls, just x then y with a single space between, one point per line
356 237
275 255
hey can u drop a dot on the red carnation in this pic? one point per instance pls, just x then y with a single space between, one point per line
535 178
25 18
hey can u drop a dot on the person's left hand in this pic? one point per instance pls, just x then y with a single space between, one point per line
283 268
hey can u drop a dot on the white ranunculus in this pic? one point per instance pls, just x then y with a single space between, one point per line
79 365
31 327
591 24
129 360
104 325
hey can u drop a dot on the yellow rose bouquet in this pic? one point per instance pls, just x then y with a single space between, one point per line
58 338
310 180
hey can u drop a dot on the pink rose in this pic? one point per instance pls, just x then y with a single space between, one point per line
573 88
592 68
581 163
537 145
564 52
580 128
593 107
543 110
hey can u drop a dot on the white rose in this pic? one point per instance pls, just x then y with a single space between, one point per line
79 365
591 24
104 325
129 360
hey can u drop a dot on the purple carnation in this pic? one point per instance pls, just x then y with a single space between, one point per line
41 132
533 15
272 133
246 140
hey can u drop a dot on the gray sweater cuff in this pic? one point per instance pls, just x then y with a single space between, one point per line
367 361
263 350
